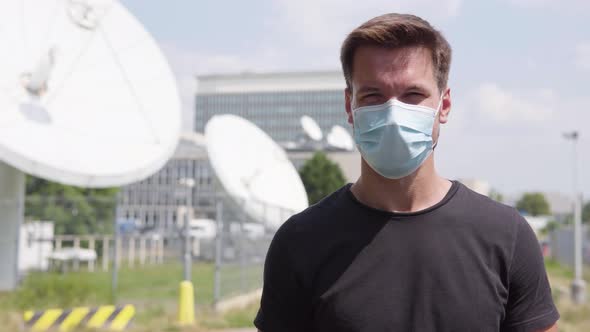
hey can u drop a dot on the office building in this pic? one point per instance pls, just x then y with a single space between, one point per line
160 201
273 101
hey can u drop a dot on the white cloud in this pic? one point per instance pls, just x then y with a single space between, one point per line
186 64
562 4
529 3
194 62
490 106
503 106
583 55
493 109
513 138
325 23
306 29
531 63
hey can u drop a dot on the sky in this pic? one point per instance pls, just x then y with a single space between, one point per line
520 75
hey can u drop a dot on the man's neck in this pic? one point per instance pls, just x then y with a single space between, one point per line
418 191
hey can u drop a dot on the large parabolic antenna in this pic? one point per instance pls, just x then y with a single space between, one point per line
253 170
86 98
311 128
340 138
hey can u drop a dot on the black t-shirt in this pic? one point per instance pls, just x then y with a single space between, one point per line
467 264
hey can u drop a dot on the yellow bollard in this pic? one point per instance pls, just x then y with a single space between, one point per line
186 304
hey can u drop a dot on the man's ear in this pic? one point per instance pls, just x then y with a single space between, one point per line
443 115
348 104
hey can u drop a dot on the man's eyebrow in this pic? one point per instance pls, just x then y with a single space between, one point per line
366 89
416 87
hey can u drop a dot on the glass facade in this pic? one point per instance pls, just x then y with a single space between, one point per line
277 113
160 201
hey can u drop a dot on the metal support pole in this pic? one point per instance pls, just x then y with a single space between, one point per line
578 286
152 251
218 248
105 253
142 250
12 197
186 306
114 276
242 255
131 252
91 246
76 247
187 253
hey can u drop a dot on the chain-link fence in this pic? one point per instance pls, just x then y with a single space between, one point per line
88 236
561 242
242 244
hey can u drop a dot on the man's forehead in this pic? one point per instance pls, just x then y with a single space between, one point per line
376 66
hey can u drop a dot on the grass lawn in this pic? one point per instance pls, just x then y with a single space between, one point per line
574 318
154 291
47 290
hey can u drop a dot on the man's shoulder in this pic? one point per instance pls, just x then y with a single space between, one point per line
486 214
318 218
475 202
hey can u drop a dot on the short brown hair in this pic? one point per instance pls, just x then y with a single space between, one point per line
397 31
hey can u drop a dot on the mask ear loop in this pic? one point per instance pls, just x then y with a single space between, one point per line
435 115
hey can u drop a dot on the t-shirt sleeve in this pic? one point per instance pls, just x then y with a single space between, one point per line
285 303
530 305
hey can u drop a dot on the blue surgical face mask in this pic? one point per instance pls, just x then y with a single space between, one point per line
394 138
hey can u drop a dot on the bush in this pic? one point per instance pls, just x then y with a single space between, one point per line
321 177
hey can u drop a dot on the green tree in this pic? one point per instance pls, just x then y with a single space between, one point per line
496 196
586 212
321 177
73 210
550 227
534 203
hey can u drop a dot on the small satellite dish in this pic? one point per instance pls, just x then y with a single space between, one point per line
254 170
311 128
340 138
86 99
86 96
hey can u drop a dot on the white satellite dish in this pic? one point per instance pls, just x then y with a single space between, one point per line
253 170
311 128
340 138
86 99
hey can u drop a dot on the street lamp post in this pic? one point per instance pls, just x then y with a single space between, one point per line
578 284
188 184
186 302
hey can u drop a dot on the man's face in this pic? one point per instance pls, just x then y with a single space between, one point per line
380 74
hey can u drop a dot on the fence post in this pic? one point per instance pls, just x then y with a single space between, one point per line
161 251
118 250
58 240
76 247
91 246
142 250
242 253
131 258
218 248
153 250
105 253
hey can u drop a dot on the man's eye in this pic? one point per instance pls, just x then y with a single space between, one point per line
371 96
413 97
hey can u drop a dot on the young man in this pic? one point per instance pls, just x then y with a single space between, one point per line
403 249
